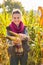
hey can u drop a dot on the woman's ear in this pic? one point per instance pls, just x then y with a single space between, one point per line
21 18
12 19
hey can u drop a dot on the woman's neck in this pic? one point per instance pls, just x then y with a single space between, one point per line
17 25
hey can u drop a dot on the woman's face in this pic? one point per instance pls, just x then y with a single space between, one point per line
16 18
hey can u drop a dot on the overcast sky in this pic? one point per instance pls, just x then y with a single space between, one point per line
30 4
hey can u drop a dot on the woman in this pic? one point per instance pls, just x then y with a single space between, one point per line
18 27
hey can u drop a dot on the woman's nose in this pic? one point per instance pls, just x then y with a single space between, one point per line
16 19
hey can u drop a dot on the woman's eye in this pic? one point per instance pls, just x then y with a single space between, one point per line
17 17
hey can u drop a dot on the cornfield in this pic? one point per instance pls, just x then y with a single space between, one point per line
34 31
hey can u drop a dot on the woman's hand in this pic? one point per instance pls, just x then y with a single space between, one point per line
16 41
24 36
